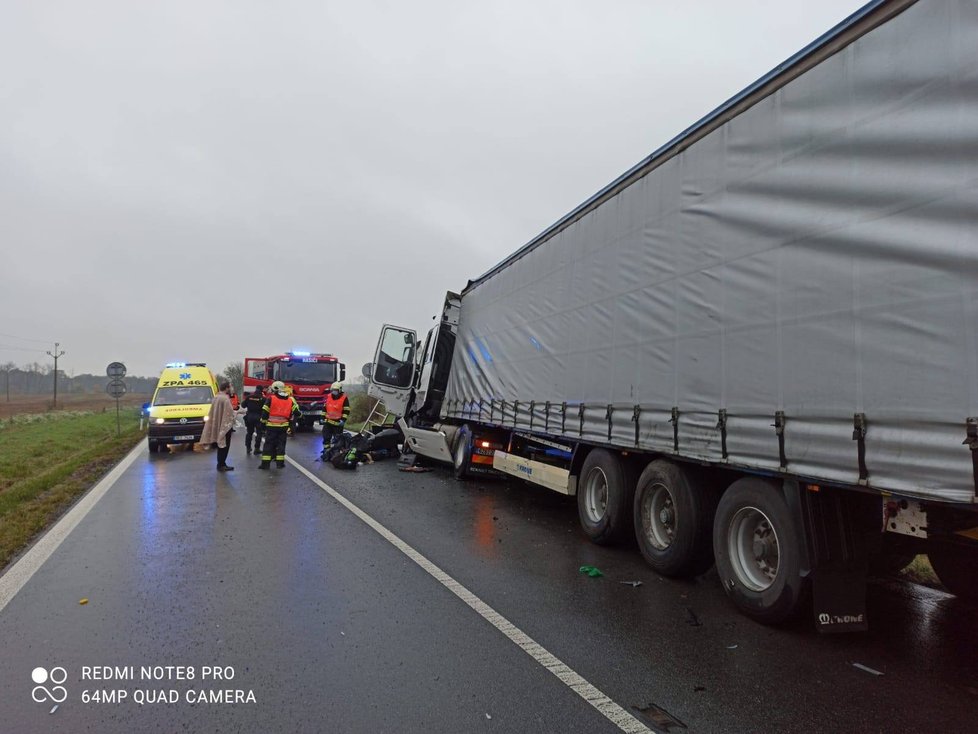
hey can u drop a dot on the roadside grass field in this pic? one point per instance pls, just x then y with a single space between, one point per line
48 460
95 402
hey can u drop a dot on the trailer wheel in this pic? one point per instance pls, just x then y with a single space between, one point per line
604 497
674 519
957 568
758 551
462 453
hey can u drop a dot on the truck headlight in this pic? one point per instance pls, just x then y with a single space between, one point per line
206 418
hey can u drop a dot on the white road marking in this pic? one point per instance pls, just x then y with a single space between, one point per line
608 708
20 573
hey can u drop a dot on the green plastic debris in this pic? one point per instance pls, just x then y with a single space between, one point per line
590 571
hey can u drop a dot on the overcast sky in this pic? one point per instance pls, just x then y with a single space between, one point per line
211 180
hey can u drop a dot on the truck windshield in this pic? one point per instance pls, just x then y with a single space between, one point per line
306 373
196 395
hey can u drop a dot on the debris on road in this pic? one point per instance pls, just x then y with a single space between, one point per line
631 583
732 647
418 469
590 571
488 716
83 601
660 718
691 619
869 670
54 709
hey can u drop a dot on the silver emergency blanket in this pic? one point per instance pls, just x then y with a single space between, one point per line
815 255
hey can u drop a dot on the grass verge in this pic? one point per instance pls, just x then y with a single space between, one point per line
45 466
921 572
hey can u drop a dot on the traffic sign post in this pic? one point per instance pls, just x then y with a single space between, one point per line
116 388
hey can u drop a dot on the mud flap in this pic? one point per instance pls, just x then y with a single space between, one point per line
837 526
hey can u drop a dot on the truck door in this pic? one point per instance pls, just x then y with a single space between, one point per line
392 372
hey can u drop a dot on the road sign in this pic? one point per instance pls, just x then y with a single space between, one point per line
116 370
116 388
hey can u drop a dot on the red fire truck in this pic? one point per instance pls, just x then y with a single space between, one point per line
308 375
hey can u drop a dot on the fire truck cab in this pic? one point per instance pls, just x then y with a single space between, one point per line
307 374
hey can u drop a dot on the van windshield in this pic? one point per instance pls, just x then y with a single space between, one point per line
196 395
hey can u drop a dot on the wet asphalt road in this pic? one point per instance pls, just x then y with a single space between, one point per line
334 629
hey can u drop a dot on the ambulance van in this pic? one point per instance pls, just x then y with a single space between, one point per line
180 404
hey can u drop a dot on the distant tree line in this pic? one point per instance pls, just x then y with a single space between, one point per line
37 379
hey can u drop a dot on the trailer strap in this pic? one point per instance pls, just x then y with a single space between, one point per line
722 425
859 435
675 428
607 415
972 443
636 412
778 424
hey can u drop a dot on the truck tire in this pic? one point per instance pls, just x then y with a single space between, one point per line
758 551
957 568
462 453
674 519
605 495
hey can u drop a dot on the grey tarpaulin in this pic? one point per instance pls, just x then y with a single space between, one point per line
816 254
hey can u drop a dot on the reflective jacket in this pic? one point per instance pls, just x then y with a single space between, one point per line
337 409
278 411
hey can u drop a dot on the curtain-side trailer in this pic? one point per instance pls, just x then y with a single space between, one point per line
756 348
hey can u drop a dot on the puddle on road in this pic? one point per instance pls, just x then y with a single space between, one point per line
660 719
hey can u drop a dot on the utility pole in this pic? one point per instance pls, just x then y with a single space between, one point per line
56 354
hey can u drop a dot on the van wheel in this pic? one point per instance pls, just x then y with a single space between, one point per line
604 497
674 519
462 453
957 568
154 448
758 551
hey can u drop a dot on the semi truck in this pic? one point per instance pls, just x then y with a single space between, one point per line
757 348
308 375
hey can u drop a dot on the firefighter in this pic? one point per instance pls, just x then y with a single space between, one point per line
253 404
335 414
278 414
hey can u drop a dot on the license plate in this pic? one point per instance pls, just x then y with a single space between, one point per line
184 438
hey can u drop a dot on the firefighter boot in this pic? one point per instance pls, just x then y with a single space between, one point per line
264 464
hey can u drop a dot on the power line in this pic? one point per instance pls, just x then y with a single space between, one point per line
26 339
20 349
